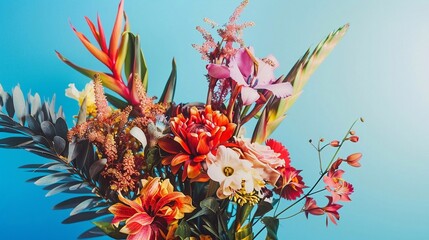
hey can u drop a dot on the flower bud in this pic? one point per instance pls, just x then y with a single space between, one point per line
352 132
335 143
322 140
353 159
354 138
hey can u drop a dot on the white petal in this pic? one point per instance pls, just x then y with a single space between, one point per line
72 92
139 135
215 173
18 102
280 90
35 104
235 73
249 95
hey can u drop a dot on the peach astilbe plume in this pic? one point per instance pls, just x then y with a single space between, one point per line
153 212
103 109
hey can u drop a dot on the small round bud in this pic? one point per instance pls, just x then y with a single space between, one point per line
352 132
354 138
362 120
322 140
335 143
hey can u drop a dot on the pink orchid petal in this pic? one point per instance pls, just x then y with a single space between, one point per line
265 73
235 73
244 61
249 95
218 71
280 90
273 61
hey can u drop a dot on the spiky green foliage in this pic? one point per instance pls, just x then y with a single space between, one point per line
36 127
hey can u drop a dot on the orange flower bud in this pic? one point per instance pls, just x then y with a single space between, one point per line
354 138
322 140
352 132
335 143
353 159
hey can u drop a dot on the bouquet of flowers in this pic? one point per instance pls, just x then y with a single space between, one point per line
145 167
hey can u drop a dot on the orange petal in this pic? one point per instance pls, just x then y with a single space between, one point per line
203 147
180 158
193 169
116 32
101 35
100 55
182 144
169 145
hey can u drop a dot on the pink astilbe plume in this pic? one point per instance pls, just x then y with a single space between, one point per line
231 33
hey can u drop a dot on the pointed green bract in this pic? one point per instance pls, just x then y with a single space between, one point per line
116 102
135 62
170 87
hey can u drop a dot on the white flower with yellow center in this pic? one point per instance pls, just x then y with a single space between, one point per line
231 172
87 93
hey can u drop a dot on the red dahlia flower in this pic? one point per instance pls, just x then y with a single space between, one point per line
193 138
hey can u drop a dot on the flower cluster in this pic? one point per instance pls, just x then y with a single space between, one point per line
166 170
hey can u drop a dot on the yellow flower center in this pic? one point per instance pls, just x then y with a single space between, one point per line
228 171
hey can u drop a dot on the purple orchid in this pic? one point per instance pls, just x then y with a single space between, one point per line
252 74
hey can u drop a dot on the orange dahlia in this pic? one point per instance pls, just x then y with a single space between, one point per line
150 215
193 137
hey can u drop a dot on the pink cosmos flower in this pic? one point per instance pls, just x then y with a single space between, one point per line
252 74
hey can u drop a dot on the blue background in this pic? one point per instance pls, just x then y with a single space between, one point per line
379 71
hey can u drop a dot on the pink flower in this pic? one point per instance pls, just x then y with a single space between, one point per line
331 210
262 157
252 74
339 189
310 207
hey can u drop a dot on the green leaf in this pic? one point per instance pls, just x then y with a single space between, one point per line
244 233
116 102
135 62
211 204
272 225
263 208
183 230
73 202
52 178
106 227
84 216
170 87
107 80
260 131
243 213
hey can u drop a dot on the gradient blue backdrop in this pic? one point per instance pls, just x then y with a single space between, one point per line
379 71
